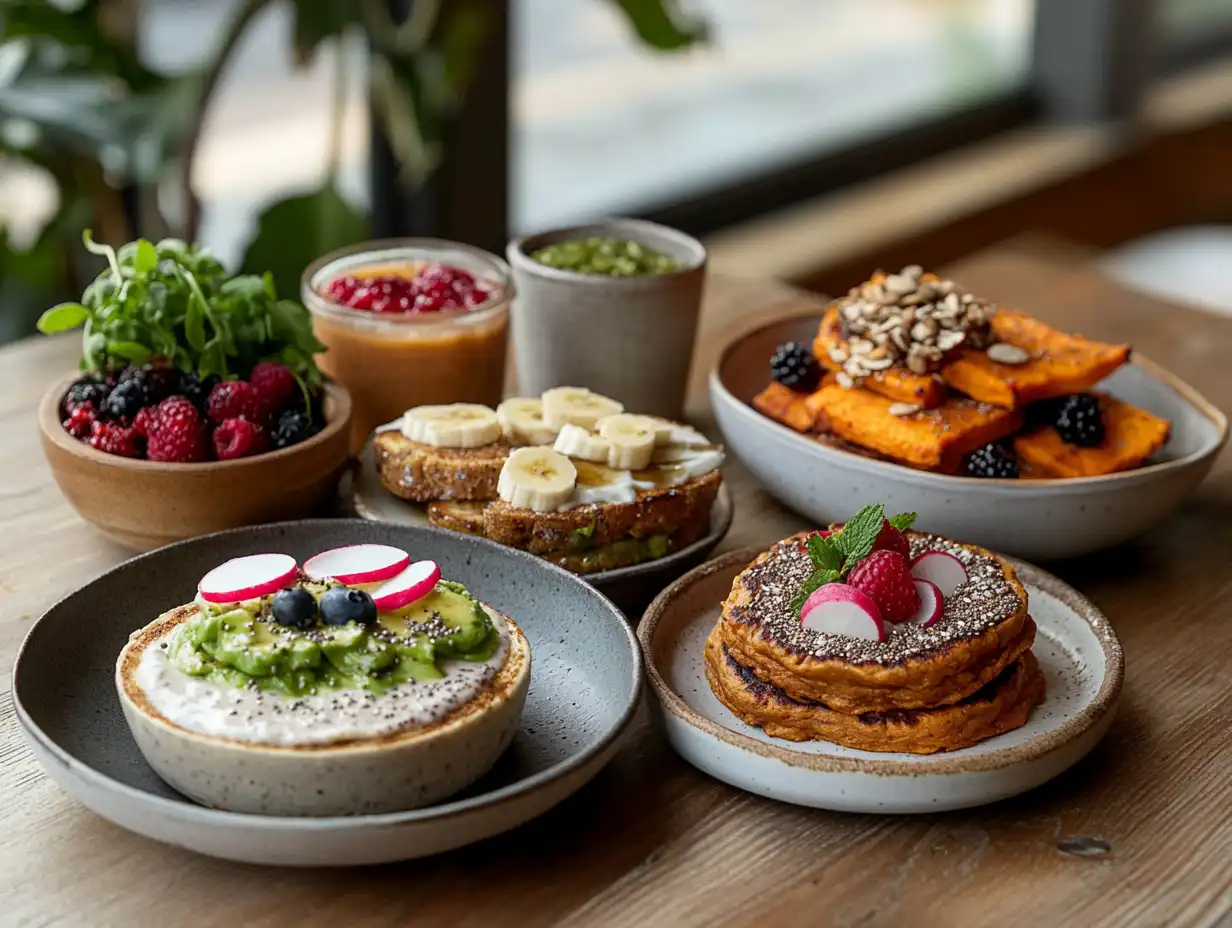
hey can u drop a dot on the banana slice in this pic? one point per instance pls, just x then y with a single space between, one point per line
662 429
632 440
577 405
576 442
458 425
521 418
537 478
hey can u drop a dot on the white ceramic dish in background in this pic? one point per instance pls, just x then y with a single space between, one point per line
1034 519
1076 647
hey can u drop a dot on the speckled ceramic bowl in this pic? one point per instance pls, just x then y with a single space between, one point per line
1075 645
1036 519
585 687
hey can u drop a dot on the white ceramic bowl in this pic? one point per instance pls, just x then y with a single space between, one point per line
1035 519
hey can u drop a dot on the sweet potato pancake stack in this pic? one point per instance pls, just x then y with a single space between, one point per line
911 369
969 676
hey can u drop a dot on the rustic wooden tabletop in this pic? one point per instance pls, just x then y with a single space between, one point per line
652 841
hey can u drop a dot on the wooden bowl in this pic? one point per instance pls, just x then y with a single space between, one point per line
146 504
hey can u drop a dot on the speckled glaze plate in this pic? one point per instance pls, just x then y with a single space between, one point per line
585 684
631 588
1076 647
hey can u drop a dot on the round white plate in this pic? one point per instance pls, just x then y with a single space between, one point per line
1076 647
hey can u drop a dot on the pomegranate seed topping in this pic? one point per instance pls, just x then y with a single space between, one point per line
435 288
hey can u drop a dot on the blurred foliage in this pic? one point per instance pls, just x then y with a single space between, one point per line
77 101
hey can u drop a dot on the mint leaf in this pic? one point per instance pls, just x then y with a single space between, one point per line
824 552
63 317
903 521
146 258
857 537
816 580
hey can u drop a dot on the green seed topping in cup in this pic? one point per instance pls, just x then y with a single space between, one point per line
612 257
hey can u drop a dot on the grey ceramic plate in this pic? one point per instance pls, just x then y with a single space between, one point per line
631 588
585 684
1034 519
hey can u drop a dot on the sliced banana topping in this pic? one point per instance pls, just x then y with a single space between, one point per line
577 405
661 428
521 419
579 443
458 425
632 440
537 478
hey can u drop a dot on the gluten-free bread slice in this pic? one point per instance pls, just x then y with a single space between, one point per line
423 474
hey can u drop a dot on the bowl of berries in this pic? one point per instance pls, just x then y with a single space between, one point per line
199 406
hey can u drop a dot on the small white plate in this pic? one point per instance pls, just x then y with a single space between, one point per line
1076 647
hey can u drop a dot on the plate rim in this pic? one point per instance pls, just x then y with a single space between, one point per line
950 763
1188 394
188 810
723 507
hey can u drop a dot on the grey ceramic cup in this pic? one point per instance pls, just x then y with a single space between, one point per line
630 338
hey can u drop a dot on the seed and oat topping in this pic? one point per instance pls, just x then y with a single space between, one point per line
984 601
911 319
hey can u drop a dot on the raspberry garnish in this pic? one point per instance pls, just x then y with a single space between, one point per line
80 421
891 539
886 578
114 438
237 438
275 386
176 432
234 399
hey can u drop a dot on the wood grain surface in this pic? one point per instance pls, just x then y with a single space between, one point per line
652 841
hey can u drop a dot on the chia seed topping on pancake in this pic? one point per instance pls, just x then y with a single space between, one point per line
984 601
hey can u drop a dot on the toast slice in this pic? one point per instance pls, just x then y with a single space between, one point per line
1131 435
897 383
931 439
423 474
1060 364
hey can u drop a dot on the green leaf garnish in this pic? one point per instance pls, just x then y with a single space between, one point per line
861 531
903 521
824 552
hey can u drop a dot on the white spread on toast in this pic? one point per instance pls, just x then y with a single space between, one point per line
268 717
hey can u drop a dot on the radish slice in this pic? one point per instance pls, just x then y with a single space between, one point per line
358 564
840 609
415 582
945 570
247 578
932 604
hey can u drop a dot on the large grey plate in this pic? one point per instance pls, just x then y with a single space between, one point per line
585 684
631 588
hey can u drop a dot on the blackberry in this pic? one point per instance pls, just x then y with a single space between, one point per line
82 391
197 389
795 367
1078 420
127 399
292 428
993 460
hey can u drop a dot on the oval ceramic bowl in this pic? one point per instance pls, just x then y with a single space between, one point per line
1039 519
1076 647
144 504
585 686
631 588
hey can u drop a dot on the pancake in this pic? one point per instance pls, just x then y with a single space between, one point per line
1001 705
984 629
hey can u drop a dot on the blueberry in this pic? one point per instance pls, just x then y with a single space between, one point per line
340 605
295 607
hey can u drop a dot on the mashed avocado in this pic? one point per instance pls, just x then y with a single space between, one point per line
242 645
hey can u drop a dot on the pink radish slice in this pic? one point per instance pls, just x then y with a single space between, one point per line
945 570
415 582
839 609
932 603
247 578
358 564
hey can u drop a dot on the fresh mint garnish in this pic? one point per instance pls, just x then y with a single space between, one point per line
903 521
824 552
861 531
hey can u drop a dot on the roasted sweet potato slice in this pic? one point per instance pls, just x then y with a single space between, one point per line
898 383
785 405
1131 435
932 439
1061 363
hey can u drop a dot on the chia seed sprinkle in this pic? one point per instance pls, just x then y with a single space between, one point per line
984 601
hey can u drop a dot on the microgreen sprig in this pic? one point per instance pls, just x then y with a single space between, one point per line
835 555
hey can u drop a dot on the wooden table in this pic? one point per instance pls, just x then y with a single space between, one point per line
653 842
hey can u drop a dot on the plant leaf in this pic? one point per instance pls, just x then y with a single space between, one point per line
63 317
861 531
318 20
146 258
903 521
824 552
194 326
130 351
658 23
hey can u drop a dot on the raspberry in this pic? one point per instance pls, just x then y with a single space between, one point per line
114 438
237 438
885 577
234 399
141 422
176 431
80 422
275 386
891 539
83 391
